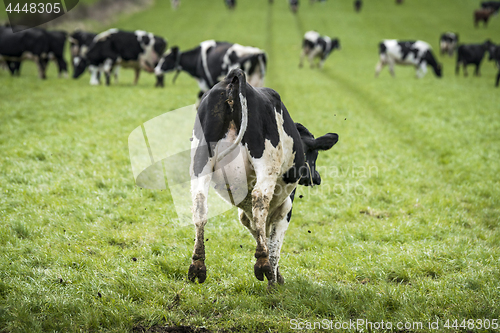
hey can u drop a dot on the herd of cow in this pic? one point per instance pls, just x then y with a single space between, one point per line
237 116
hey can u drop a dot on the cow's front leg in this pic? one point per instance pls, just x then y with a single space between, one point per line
498 79
477 73
276 235
302 55
261 198
108 67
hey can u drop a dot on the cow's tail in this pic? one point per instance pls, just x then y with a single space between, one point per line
236 91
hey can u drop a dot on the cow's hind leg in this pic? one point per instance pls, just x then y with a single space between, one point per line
498 79
137 73
379 67
276 235
199 191
261 198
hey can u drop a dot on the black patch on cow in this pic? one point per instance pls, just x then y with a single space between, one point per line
292 196
382 49
407 48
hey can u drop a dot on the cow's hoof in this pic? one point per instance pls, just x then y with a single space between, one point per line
263 267
197 270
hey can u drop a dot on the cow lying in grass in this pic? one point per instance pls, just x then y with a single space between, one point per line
238 120
414 53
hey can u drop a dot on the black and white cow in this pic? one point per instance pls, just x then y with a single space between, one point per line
237 122
137 50
209 62
32 44
414 53
471 54
316 46
448 43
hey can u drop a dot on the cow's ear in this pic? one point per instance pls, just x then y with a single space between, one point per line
326 141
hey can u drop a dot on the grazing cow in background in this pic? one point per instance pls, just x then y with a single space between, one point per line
276 156
414 53
399 2
482 15
209 62
494 51
137 50
316 46
357 5
495 5
294 5
448 43
57 43
471 54
32 44
230 4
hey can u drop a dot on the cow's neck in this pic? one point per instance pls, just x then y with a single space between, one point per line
189 62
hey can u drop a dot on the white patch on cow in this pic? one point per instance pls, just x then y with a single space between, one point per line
148 58
105 34
203 85
83 50
312 36
108 64
94 70
76 61
205 46
158 70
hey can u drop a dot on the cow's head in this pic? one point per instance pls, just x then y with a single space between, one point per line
168 62
79 64
438 69
335 44
310 176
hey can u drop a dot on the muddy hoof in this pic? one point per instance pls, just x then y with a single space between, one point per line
197 270
262 267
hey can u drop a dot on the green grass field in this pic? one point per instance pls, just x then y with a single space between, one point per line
404 228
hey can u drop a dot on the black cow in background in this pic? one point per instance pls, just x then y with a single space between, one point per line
357 5
471 54
137 50
294 5
230 4
57 43
32 44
